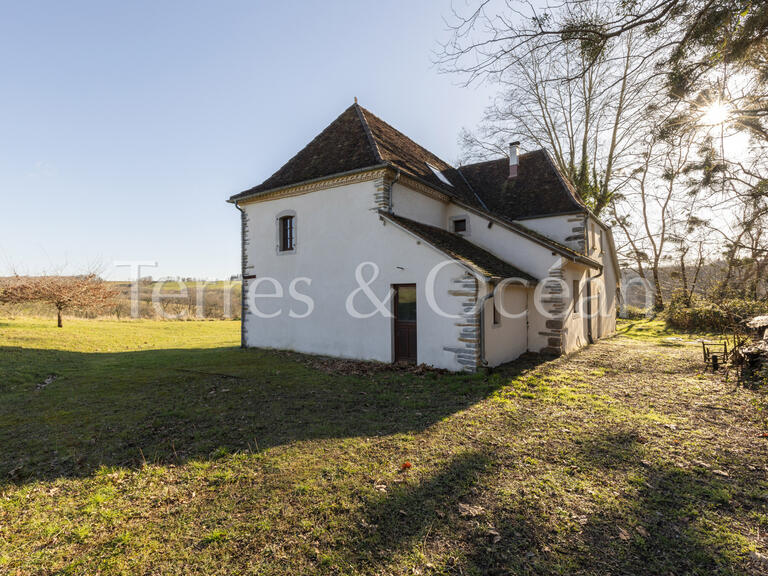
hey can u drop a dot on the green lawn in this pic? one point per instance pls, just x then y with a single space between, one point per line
144 447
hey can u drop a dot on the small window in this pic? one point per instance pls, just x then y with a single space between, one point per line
440 175
576 297
405 310
460 225
287 233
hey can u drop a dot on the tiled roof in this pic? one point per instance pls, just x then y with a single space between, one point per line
538 190
461 250
397 149
342 147
358 139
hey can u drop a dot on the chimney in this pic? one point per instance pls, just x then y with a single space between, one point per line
514 149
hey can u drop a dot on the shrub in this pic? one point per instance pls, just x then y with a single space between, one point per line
634 313
705 315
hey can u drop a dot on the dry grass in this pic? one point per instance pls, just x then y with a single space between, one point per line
622 459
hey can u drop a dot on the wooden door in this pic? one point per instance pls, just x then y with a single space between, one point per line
405 323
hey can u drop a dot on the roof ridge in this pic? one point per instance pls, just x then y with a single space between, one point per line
500 158
488 268
371 140
474 193
405 136
566 181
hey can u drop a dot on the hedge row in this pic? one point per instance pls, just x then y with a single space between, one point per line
703 315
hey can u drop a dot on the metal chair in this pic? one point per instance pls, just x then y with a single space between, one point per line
715 355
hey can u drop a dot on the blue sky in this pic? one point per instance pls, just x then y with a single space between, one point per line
124 126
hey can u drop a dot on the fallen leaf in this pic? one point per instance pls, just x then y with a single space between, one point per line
623 534
759 558
496 537
467 510
721 473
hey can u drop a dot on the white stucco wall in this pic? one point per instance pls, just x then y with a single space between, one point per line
524 254
556 227
602 292
537 326
509 339
417 206
336 229
575 322
600 248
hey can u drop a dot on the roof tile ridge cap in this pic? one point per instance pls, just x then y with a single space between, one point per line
491 161
404 135
367 129
504 158
568 186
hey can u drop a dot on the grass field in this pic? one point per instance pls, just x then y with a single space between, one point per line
164 299
162 448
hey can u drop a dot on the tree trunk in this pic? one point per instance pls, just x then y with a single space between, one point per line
699 263
58 317
684 276
658 299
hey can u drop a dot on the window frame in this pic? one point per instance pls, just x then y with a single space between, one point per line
282 217
576 296
460 217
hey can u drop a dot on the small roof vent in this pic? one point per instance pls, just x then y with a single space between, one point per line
440 175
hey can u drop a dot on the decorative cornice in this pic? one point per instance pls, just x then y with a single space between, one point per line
320 184
419 186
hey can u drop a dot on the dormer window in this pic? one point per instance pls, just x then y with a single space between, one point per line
286 232
440 175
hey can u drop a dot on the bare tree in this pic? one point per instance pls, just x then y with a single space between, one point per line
87 292
690 37
625 95
652 205
587 117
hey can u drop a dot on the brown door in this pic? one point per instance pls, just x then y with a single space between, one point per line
405 323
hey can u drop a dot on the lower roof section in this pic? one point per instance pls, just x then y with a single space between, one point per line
462 250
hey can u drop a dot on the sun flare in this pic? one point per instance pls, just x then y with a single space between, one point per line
715 113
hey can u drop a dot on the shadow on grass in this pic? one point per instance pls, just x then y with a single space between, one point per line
678 522
66 414
409 513
665 520
662 520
